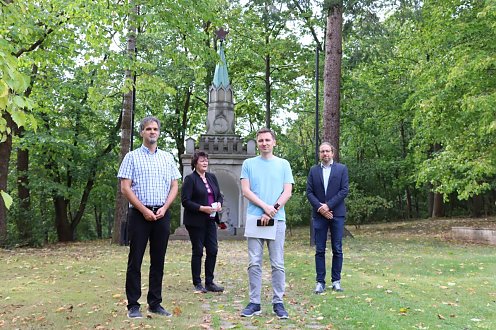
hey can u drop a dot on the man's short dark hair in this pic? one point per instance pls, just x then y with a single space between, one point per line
196 157
146 120
266 130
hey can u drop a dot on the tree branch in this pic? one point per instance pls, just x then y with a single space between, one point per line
38 42
307 23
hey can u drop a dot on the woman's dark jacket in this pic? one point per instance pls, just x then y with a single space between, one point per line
194 194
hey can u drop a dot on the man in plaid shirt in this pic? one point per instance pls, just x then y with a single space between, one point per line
148 178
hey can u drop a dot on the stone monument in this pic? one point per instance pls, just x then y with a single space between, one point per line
226 150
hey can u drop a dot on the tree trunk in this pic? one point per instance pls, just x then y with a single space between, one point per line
126 127
437 206
98 222
476 206
404 154
332 75
408 203
267 88
62 223
180 134
437 198
24 220
430 201
5 151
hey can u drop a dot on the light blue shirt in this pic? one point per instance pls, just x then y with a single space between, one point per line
326 173
267 178
151 174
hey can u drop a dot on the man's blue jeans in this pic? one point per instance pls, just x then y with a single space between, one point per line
336 227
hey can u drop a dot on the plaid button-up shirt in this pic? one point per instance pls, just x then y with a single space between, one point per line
151 174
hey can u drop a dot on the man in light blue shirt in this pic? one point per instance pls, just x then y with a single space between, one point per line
148 178
267 183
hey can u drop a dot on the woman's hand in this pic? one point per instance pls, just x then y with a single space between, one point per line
219 207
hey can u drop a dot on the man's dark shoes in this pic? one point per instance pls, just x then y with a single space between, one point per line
200 289
280 311
159 310
134 313
212 287
251 309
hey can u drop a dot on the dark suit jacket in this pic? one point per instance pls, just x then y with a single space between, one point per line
337 190
194 194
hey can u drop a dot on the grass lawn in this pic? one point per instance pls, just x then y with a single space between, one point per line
407 275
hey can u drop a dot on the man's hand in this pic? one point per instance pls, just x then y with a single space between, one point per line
149 215
270 211
325 211
160 212
264 219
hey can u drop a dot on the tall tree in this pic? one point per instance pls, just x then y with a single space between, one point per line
13 88
24 228
332 73
126 122
455 98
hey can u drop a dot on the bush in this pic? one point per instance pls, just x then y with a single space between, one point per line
362 208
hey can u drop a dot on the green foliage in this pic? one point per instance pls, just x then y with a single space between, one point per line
455 97
7 199
361 209
417 77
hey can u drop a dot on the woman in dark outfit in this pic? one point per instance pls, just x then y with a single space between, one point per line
200 189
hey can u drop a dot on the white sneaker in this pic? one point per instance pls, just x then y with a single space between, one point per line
319 288
336 286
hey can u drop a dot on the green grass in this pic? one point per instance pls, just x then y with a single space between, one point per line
393 278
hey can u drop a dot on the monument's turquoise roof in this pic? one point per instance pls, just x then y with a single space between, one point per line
221 78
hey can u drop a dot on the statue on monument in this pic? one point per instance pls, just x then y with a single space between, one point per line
220 117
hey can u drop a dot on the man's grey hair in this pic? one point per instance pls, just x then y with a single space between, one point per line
146 120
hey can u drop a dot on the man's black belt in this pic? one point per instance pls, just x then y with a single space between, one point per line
153 208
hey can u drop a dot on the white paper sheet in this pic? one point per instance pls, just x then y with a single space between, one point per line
252 230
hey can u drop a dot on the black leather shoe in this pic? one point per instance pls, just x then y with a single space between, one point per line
212 287
159 310
200 289
134 313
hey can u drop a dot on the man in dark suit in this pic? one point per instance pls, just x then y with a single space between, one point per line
327 187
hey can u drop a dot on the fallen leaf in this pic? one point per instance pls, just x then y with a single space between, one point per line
177 311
